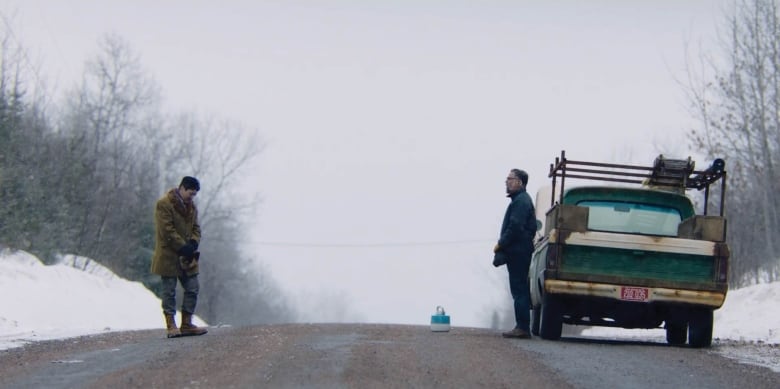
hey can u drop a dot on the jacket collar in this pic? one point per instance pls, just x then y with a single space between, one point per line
178 202
512 196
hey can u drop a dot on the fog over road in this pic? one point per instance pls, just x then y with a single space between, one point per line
367 355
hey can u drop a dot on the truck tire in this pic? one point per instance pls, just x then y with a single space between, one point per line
676 333
700 328
551 323
536 314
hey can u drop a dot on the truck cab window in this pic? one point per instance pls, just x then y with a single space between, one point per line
632 218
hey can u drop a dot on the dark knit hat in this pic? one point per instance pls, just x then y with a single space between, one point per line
190 183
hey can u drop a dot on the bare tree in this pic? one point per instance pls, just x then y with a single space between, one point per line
105 177
23 151
111 103
739 113
221 153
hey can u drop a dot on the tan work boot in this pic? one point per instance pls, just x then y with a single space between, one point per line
189 329
170 326
517 333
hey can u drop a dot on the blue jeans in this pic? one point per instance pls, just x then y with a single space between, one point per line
168 294
521 293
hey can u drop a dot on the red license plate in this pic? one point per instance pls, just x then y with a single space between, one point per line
630 293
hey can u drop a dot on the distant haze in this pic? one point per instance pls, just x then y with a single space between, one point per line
390 126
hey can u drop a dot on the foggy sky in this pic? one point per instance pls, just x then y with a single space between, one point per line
391 125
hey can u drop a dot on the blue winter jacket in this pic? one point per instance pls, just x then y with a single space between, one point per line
519 227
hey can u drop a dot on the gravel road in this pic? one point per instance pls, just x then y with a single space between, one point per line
366 355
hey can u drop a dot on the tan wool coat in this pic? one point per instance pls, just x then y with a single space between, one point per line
175 224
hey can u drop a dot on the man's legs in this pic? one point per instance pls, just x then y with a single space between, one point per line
518 285
191 287
168 297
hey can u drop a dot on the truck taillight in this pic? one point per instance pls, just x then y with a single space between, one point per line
552 256
723 270
723 255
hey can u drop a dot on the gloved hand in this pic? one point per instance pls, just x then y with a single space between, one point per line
187 250
499 259
194 244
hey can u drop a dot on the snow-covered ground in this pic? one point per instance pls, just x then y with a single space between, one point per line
73 298
79 297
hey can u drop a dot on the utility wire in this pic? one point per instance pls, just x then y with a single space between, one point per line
367 245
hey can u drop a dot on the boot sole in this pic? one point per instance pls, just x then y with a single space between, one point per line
194 333
517 337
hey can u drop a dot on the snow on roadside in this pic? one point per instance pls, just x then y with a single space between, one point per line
73 298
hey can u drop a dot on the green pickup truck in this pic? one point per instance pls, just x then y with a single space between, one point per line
631 252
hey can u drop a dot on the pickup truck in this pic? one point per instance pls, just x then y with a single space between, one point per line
631 251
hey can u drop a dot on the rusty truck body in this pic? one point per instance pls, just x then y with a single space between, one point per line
632 251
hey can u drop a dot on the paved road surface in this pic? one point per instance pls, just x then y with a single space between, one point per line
365 356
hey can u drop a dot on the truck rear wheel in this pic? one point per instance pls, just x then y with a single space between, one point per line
700 328
536 315
676 332
551 323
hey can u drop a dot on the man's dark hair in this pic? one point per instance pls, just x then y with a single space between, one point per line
522 175
190 183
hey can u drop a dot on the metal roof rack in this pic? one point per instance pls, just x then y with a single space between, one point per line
668 174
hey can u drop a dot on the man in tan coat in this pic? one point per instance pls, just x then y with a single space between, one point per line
175 254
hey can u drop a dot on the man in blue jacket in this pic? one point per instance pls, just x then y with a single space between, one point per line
515 247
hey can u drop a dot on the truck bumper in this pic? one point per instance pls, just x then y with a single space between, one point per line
647 295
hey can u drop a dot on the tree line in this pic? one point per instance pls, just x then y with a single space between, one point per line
82 177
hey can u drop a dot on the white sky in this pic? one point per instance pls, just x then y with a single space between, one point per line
86 303
395 122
